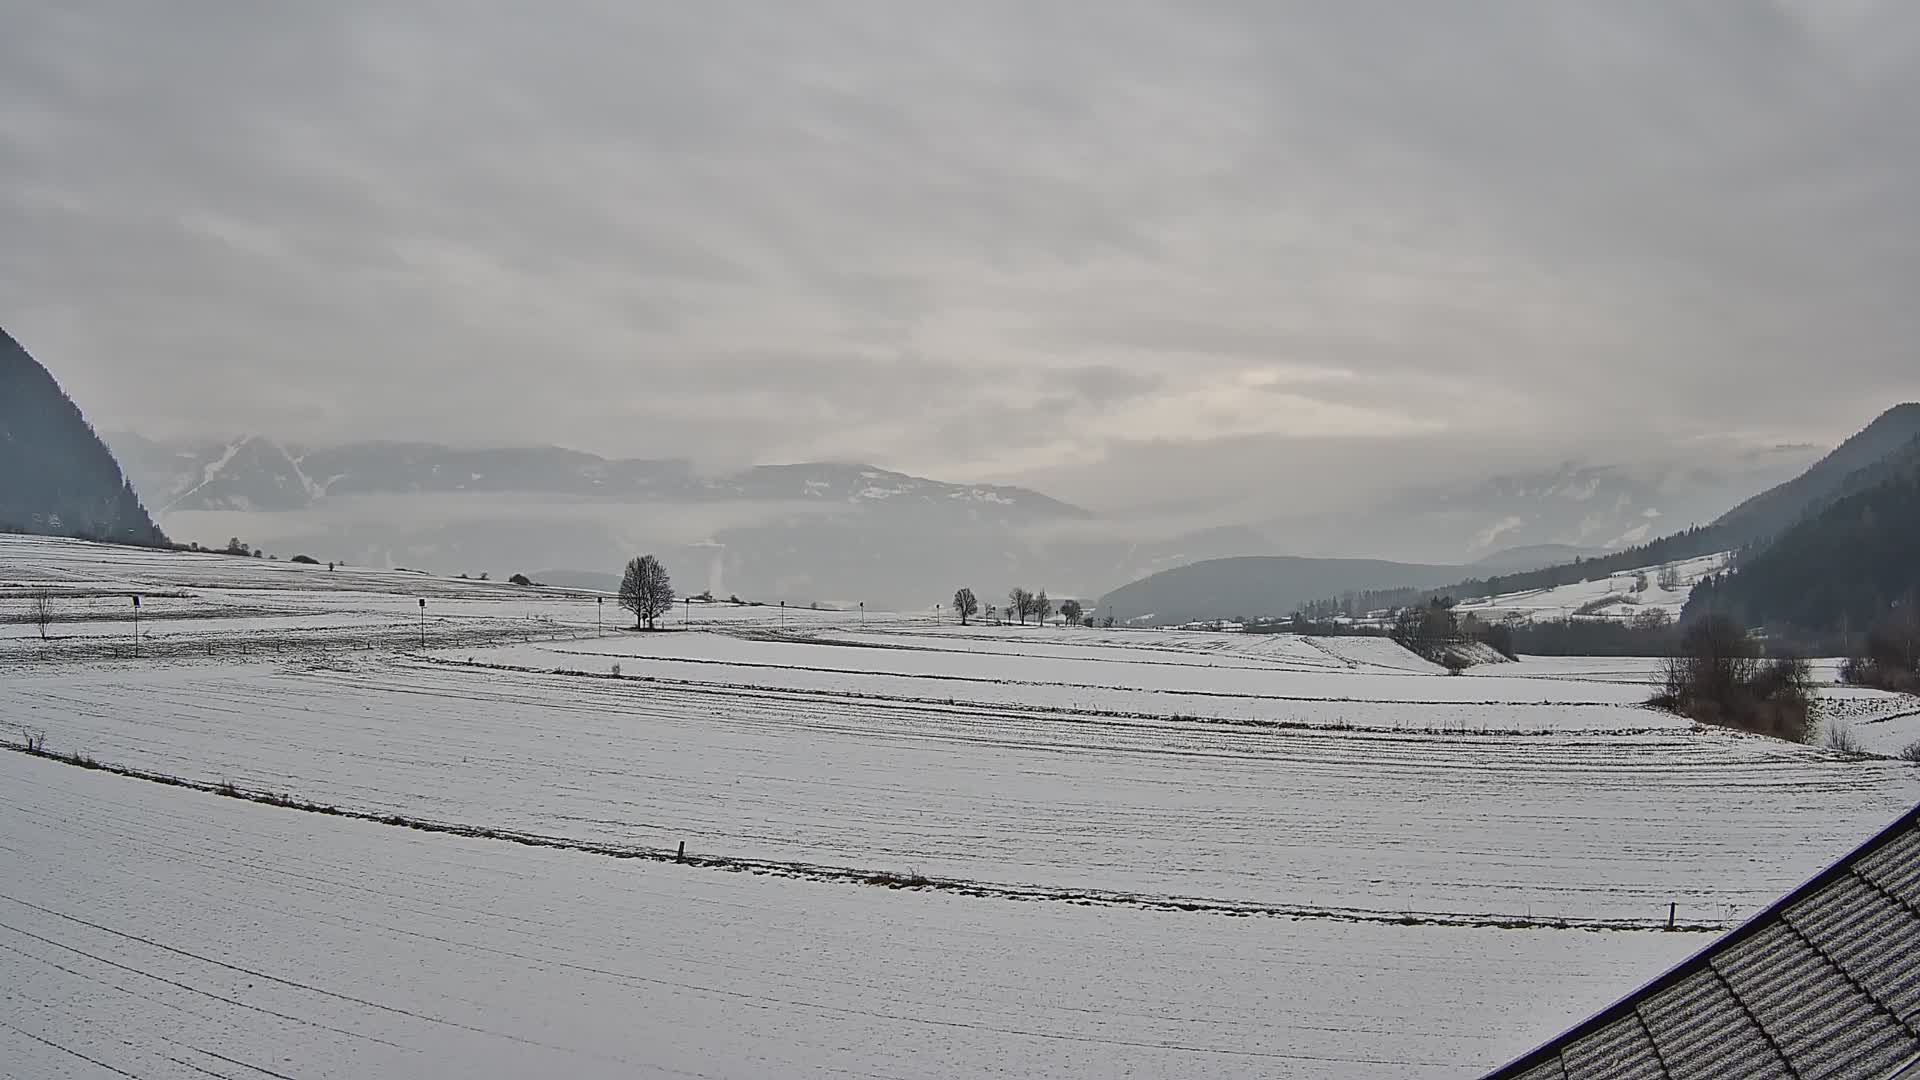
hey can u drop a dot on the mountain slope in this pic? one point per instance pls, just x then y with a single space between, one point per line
56 476
1260 586
1775 509
1846 565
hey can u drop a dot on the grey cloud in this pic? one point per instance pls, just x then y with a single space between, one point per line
1101 384
742 231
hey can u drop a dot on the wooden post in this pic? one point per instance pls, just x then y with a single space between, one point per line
1673 910
682 857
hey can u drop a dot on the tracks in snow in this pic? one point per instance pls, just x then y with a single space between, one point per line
884 878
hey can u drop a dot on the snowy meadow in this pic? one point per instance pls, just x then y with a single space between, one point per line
305 825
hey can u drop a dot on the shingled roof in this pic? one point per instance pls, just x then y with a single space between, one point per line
1823 985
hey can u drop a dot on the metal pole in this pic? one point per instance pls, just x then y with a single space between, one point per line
423 622
686 613
136 625
599 611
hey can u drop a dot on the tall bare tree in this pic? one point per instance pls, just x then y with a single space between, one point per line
1020 603
41 611
967 604
646 590
1042 608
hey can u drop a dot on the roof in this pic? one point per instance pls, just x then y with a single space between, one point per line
1823 985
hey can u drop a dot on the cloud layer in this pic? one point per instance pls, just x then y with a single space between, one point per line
999 240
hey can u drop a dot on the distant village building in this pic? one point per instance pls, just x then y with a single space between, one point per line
1823 985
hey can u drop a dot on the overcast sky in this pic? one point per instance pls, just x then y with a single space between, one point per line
1094 245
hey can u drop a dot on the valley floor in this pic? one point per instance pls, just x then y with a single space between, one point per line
915 850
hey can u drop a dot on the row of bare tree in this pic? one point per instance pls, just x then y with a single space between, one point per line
1021 605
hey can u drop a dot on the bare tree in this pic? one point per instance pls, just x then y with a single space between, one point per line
41 611
1669 579
1020 604
1042 608
1716 658
966 604
1072 611
646 590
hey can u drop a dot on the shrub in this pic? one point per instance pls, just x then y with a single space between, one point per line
1718 678
1841 737
305 560
1911 752
519 579
1455 662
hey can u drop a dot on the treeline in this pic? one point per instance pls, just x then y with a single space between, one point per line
1306 626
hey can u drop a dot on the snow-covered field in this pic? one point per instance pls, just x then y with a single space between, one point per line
159 933
1170 852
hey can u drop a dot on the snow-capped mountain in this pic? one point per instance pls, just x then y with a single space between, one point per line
256 473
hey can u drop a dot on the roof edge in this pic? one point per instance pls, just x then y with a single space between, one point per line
1545 1052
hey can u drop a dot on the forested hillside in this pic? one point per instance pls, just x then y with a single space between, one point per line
56 476
1775 510
1843 568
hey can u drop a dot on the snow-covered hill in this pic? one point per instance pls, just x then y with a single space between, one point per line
1663 587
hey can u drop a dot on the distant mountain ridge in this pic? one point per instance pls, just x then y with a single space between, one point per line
1230 587
837 532
1533 557
253 473
56 477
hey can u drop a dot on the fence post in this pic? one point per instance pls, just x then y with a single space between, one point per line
1673 909
682 856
